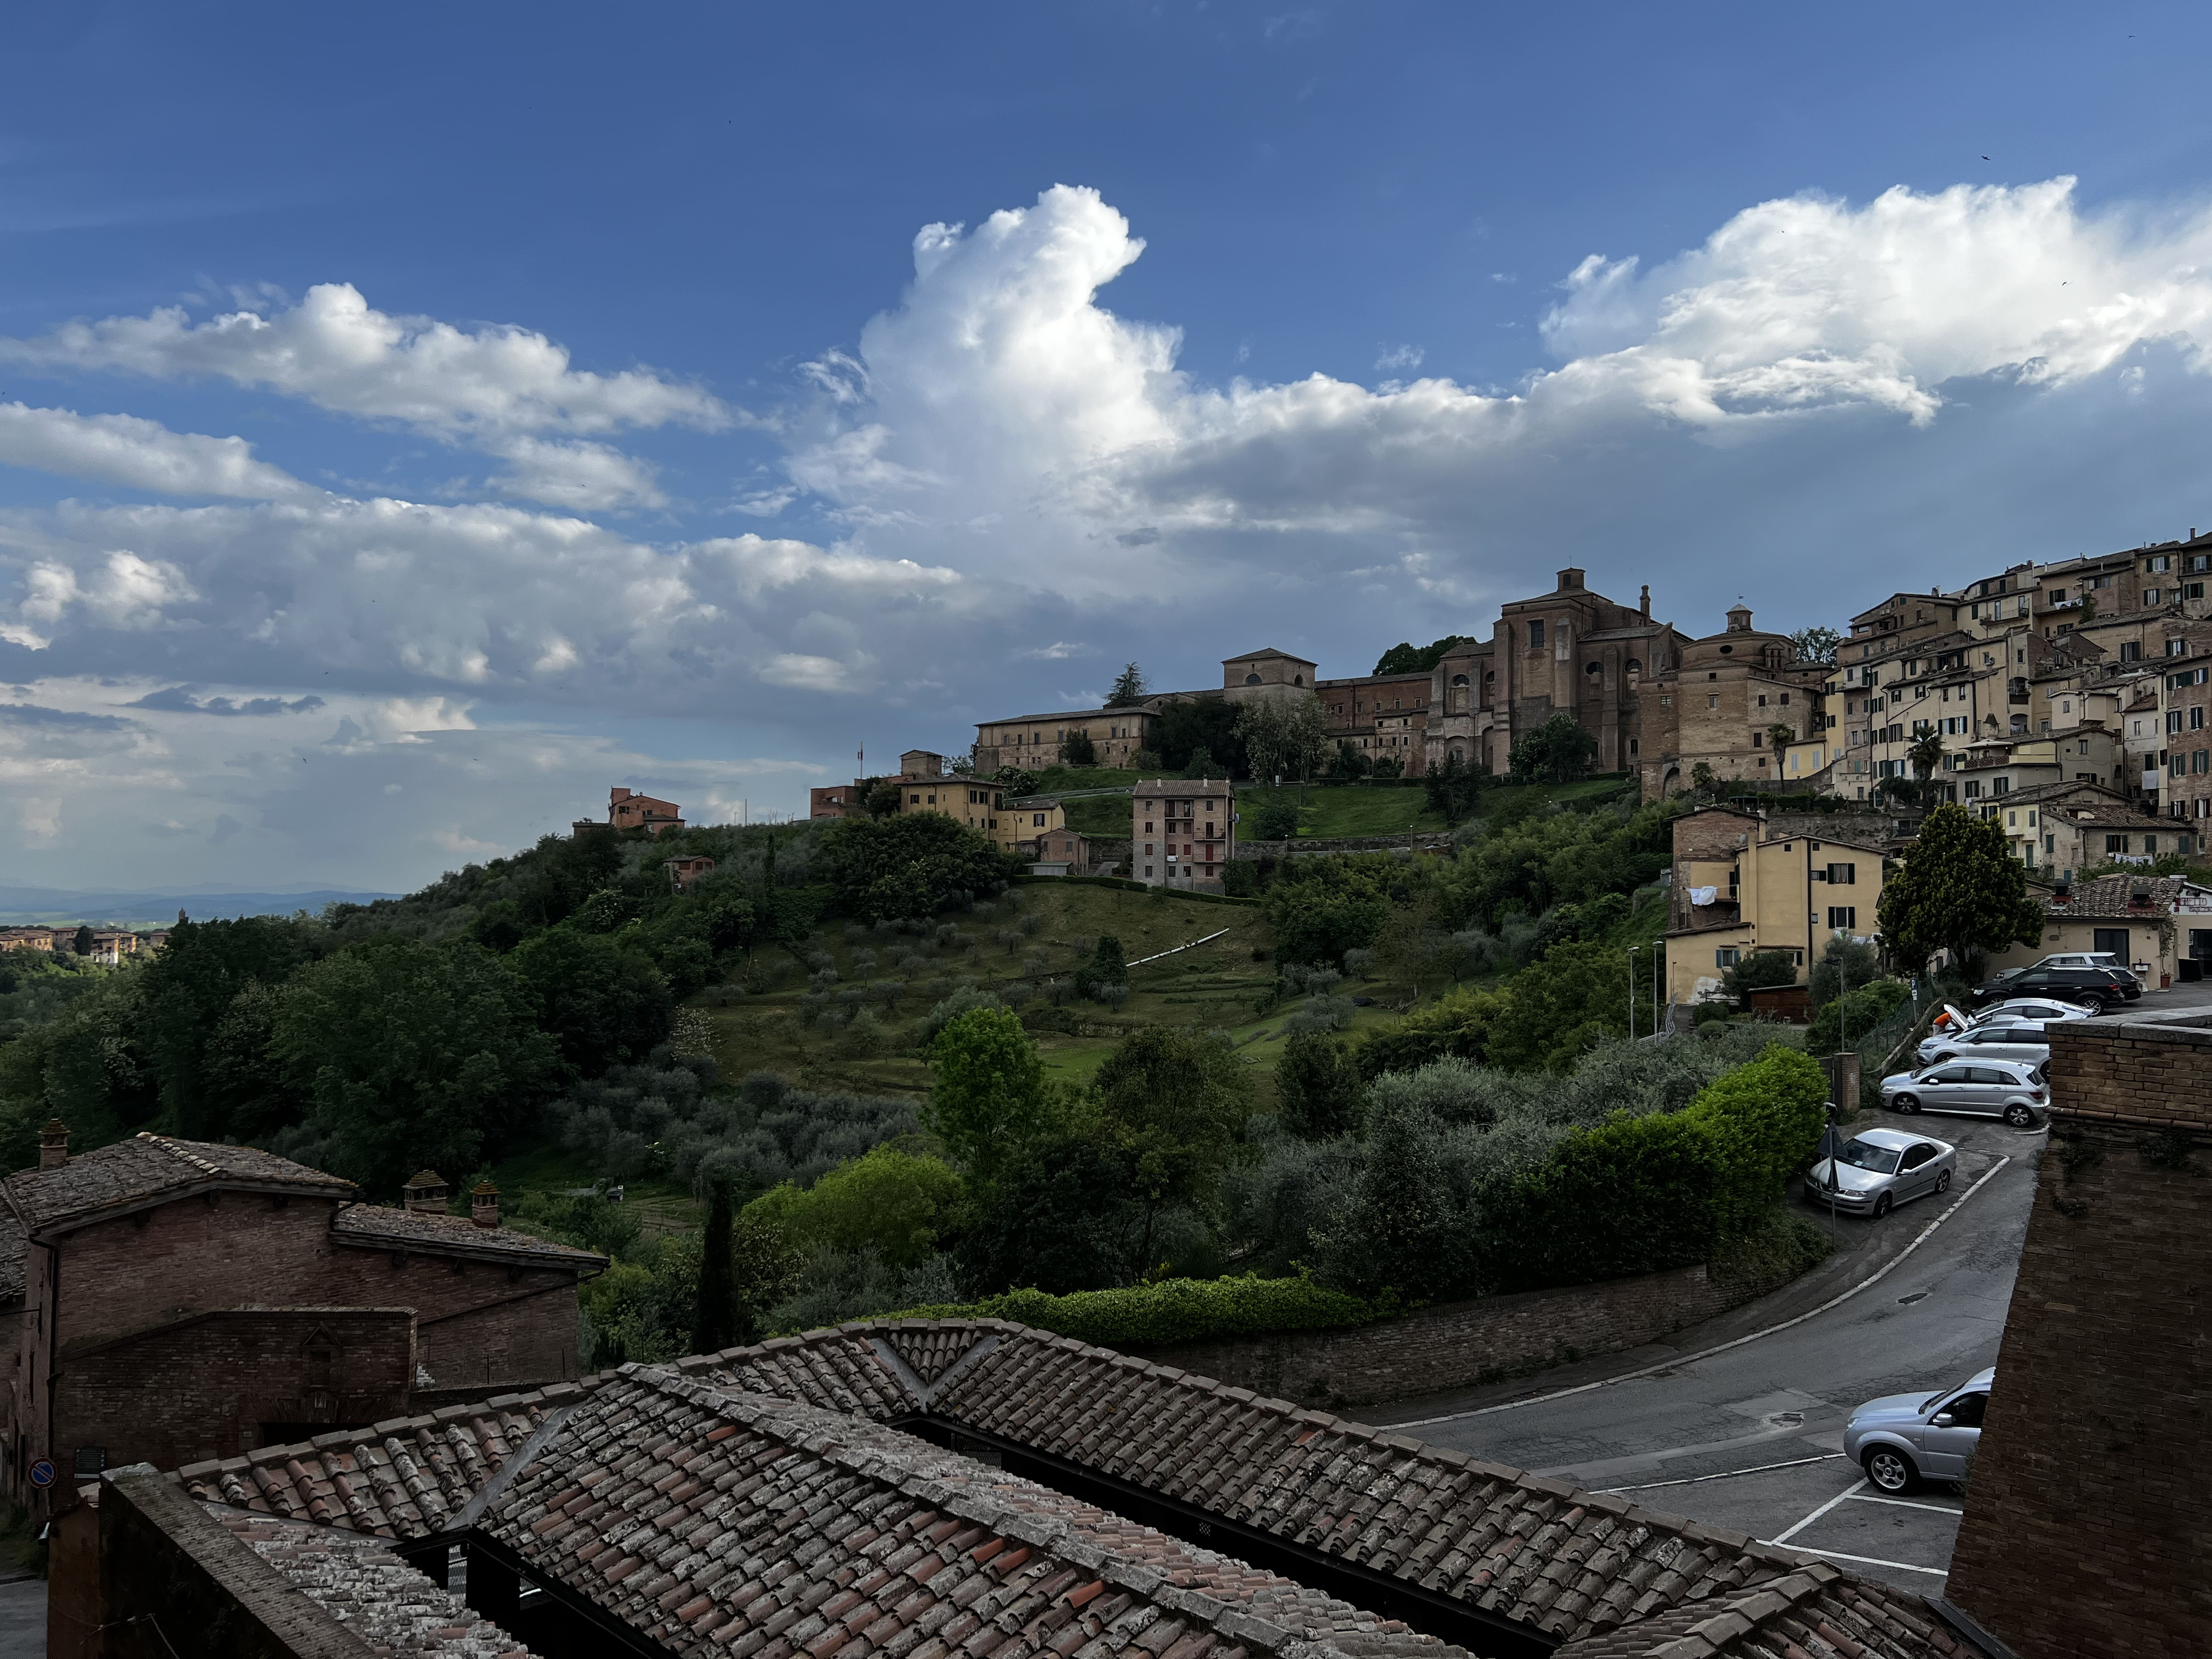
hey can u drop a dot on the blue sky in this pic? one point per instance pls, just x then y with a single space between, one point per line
500 402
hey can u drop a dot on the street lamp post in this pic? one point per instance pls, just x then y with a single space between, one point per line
1632 950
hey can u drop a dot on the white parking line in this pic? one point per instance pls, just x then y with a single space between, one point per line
1725 1475
1852 1491
1875 1561
1899 1502
1871 1279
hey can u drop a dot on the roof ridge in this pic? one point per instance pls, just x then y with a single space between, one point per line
1048 1532
176 1150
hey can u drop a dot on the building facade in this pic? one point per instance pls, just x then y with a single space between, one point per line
1744 884
175 1299
1183 832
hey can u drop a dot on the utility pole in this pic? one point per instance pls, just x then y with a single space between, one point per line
1632 950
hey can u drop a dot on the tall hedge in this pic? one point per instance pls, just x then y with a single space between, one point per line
1174 1310
1634 1195
1763 1122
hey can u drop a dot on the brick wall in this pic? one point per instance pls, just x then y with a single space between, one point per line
175 1585
1462 1344
2087 1529
206 1385
478 1324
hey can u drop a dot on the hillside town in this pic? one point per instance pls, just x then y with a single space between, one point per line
1516 958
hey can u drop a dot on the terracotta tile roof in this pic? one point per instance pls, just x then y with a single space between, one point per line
1816 1613
710 1521
370 1591
405 1477
151 1166
15 1247
762 1500
2109 896
1524 1547
386 1227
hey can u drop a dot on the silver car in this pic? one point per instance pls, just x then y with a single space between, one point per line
1902 1438
2042 1008
2010 1089
2017 1039
1877 1169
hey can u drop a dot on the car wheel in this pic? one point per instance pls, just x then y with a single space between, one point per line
1943 1182
1906 1103
1891 1469
1881 1206
1944 1059
2018 1116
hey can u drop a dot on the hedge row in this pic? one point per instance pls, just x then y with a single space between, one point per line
1174 1310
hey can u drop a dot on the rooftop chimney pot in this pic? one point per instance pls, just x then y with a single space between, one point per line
483 1204
53 1145
426 1194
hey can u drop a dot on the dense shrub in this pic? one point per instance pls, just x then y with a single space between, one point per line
1317 1087
1763 1120
886 1200
1853 1016
913 865
1175 1310
1631 1196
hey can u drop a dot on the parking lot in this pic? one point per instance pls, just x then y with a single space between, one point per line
1750 1438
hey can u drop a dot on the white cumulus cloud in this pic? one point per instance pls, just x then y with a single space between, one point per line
336 350
140 454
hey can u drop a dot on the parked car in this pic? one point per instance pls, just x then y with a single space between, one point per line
2082 959
1877 1169
2010 1089
2045 1008
2000 1039
1902 1438
2101 989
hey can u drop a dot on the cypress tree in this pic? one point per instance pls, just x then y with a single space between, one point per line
715 1326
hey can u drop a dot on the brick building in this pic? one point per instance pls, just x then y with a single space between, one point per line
628 810
1192 822
175 1299
2087 1529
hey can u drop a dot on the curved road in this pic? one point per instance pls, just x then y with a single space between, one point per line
1749 1439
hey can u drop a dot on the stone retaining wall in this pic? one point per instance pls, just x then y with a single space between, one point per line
1460 1344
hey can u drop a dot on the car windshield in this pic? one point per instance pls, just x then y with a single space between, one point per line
1865 1154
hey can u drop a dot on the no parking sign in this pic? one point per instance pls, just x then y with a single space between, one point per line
42 1472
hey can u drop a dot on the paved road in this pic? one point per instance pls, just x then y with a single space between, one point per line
24 1619
1751 1438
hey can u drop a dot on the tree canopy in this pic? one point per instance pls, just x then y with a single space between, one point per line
1959 889
1128 687
1558 751
1405 657
914 864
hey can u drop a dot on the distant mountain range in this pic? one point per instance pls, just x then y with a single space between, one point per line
157 906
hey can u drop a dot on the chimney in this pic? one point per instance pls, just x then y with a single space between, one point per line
1646 605
425 1195
483 1204
53 1145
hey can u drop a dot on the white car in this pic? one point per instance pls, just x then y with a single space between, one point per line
2031 1008
2080 959
2018 1039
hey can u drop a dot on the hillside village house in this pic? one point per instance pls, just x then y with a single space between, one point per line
1183 832
175 1299
628 810
2149 922
1743 884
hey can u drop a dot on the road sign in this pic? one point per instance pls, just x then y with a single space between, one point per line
42 1474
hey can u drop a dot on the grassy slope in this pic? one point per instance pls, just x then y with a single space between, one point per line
1216 984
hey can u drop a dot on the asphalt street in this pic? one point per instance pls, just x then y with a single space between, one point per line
1750 1438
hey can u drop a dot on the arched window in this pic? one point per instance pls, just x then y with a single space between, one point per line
1459 679
1298 679
1456 755
1251 679
1594 668
1633 666
1489 677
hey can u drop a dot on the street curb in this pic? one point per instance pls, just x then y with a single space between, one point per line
1838 1300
